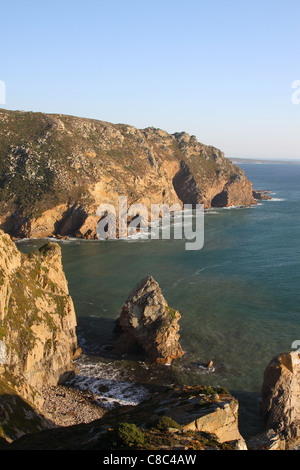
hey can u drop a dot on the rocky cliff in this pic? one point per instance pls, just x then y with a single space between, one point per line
38 339
55 170
281 397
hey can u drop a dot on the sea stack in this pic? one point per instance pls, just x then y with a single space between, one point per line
146 321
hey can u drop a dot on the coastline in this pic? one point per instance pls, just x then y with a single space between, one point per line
85 273
222 367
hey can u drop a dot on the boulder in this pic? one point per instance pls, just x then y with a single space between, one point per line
148 322
280 405
267 440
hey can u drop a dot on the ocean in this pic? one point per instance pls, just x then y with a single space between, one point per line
238 296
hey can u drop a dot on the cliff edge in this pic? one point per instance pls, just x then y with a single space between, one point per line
38 341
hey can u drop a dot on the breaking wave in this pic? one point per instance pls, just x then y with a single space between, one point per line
108 384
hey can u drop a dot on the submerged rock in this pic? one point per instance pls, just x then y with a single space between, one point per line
148 322
261 195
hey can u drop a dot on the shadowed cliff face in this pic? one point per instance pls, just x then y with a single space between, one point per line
55 170
185 186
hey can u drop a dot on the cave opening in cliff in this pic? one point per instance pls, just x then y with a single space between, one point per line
220 200
185 186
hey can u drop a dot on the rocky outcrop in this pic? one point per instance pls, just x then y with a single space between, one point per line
268 440
262 195
56 170
37 319
175 418
195 409
206 410
281 397
148 322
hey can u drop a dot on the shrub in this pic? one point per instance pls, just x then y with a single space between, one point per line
128 435
171 311
164 423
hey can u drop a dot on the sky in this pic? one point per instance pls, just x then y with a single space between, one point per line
222 70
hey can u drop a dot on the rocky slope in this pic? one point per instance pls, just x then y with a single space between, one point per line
38 341
55 170
148 322
186 418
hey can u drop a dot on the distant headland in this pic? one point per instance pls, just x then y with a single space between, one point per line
256 161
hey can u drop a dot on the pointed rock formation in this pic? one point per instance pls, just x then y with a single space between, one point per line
147 321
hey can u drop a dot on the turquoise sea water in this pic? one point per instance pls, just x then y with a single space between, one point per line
238 296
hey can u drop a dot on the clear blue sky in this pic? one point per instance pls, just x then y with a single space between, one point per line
219 69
